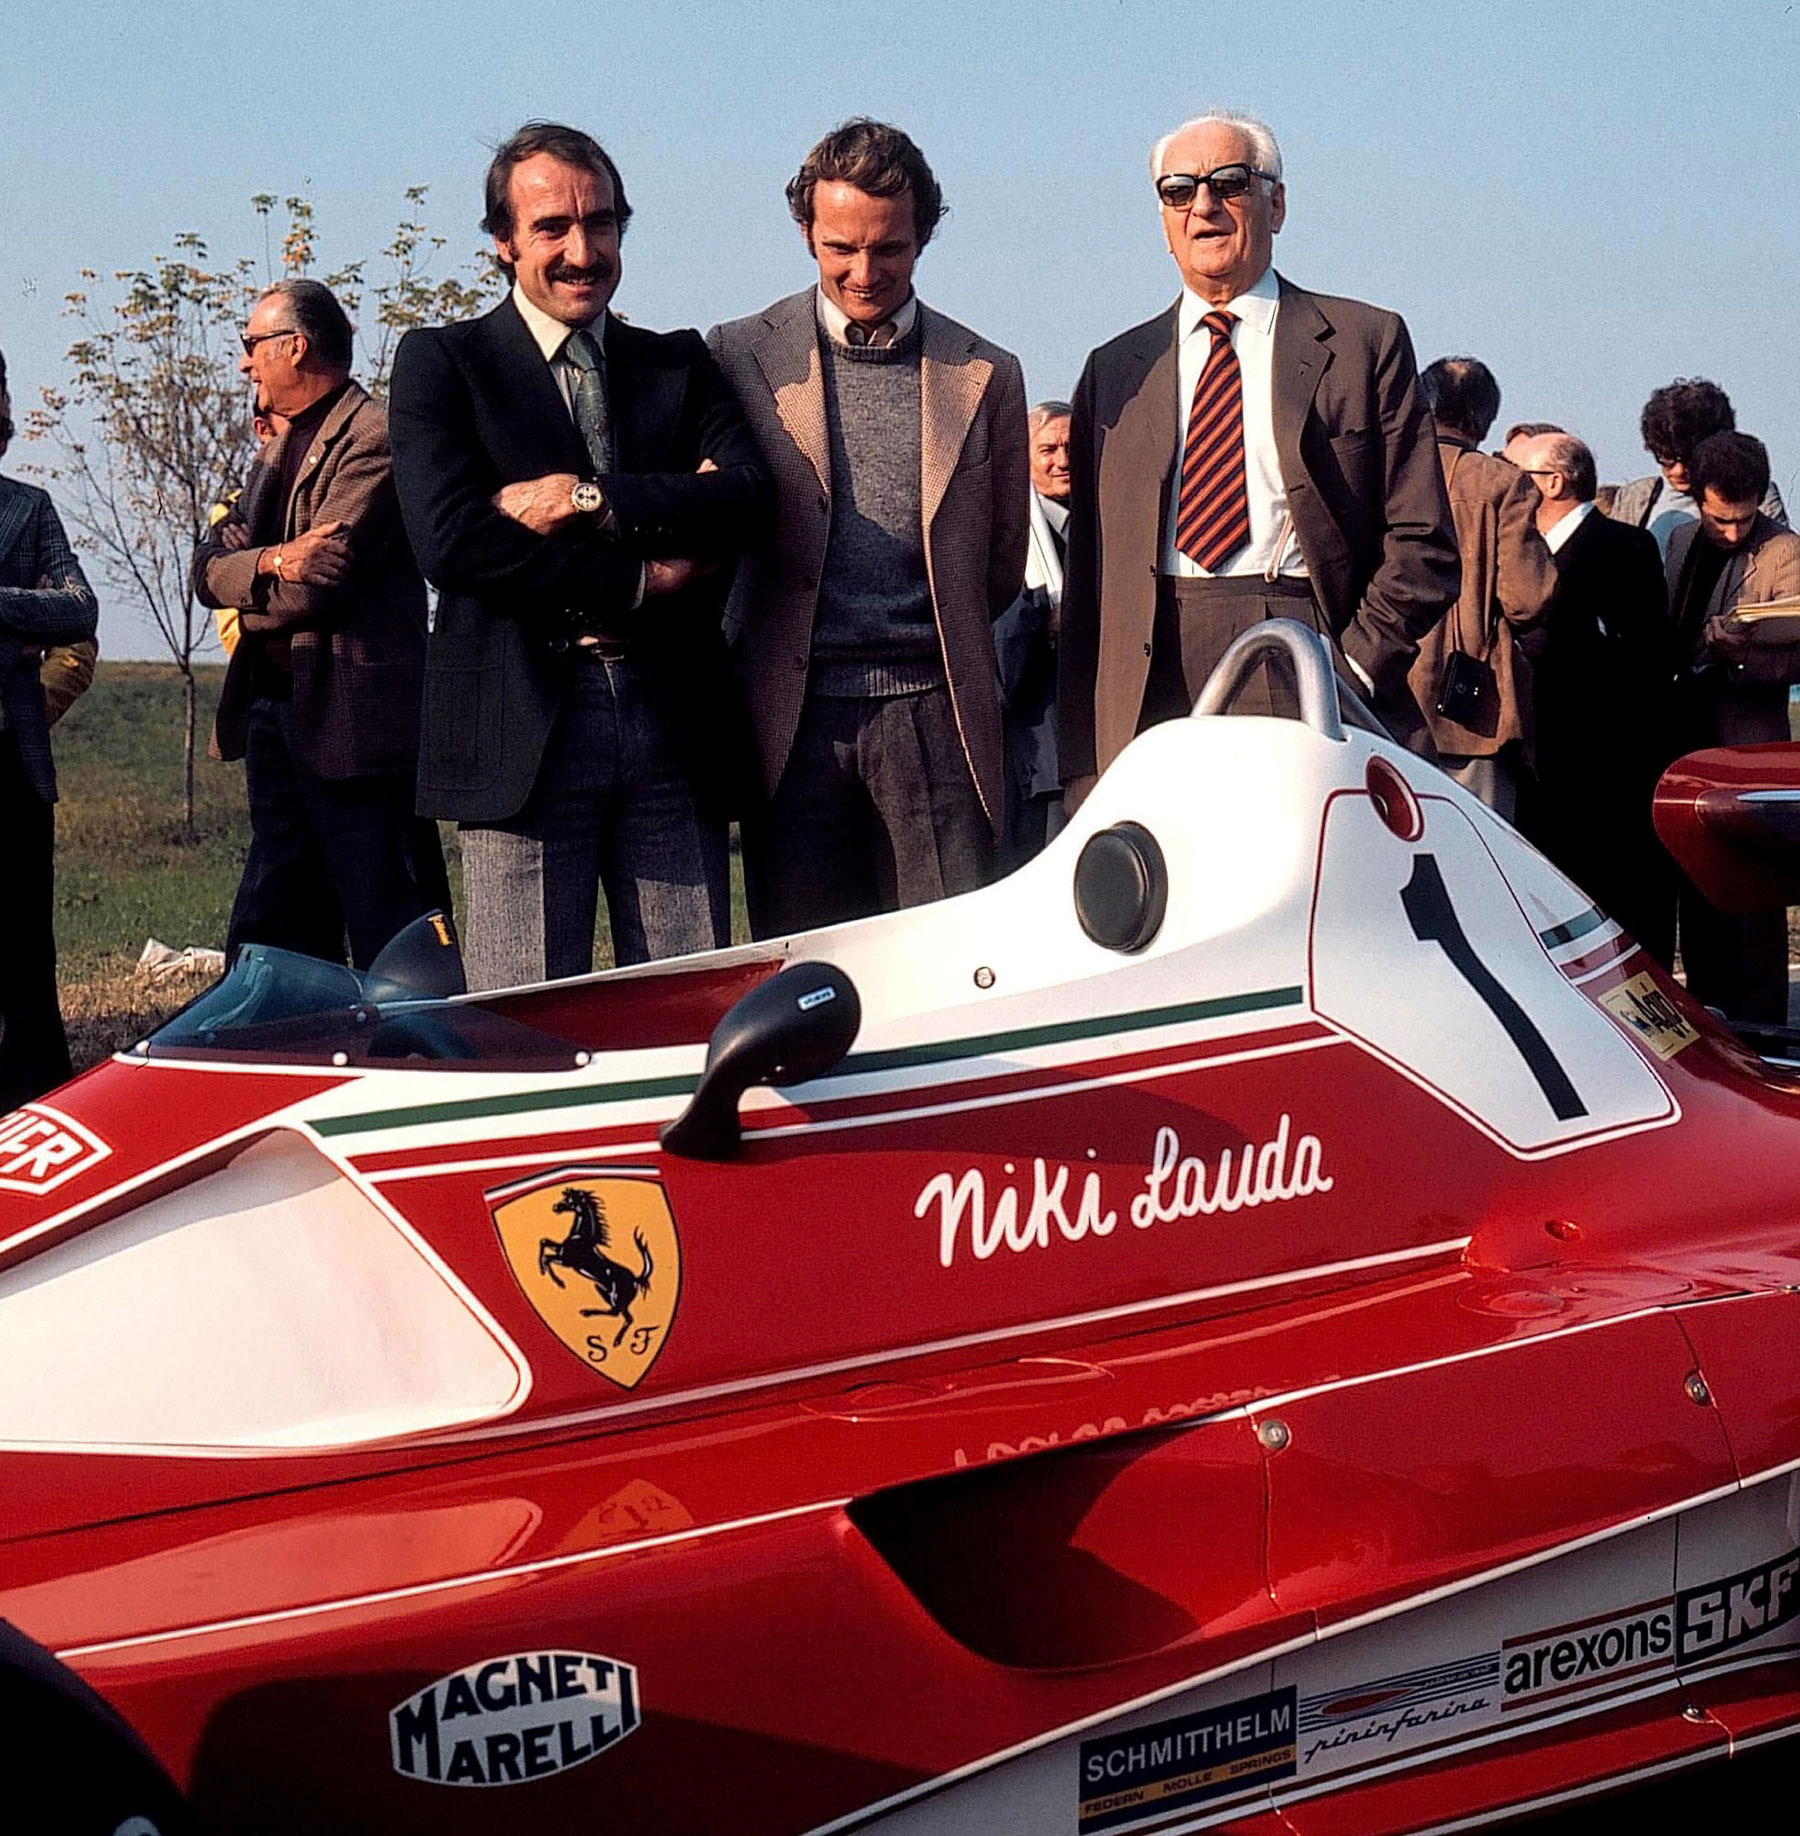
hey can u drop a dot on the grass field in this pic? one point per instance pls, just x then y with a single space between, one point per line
126 870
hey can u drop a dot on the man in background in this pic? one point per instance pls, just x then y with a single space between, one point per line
1254 451
1600 687
1731 690
1025 649
897 441
45 602
321 696
1675 420
1472 679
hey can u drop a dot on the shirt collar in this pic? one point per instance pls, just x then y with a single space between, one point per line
1055 514
1565 526
836 321
548 334
1255 306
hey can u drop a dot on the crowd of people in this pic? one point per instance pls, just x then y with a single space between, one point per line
822 573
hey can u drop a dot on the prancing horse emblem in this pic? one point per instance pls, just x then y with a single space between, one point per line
595 1252
582 1253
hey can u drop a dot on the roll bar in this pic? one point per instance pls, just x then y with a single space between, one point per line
1323 697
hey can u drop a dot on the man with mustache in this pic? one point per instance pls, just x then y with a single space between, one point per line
574 485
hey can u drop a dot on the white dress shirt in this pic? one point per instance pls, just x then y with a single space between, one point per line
1565 526
1272 548
551 336
836 321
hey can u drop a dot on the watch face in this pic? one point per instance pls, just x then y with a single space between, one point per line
586 497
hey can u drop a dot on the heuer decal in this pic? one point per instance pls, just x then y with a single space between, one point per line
514 1719
1177 1186
1646 1012
40 1148
1725 1614
1337 1727
1588 1652
1149 1772
597 1255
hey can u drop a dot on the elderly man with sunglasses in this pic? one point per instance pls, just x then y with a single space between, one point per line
1254 451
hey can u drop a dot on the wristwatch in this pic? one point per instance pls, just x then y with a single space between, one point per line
587 497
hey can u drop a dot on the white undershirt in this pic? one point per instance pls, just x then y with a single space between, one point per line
1271 548
1565 526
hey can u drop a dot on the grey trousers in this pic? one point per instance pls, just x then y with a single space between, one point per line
613 806
876 810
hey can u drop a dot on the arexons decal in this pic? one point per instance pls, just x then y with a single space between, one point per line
1337 1727
1149 1772
1643 1009
596 1253
1176 1186
1722 1615
514 1719
1587 1652
40 1148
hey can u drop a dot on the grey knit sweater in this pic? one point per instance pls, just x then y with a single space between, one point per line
874 632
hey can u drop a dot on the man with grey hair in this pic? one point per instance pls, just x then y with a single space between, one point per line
1254 451
1025 649
321 698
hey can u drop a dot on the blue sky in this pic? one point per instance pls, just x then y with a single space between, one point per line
1593 199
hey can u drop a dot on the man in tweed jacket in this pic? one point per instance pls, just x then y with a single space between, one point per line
321 700
44 602
897 441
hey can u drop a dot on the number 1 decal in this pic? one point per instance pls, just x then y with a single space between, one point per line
1433 918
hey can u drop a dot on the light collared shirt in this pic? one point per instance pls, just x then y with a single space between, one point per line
551 336
836 321
1272 548
1565 526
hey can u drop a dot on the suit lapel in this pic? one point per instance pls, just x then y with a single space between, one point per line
787 353
1301 358
952 380
1135 460
15 519
329 431
534 395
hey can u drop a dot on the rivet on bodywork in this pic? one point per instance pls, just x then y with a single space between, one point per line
984 977
1273 1434
1697 1390
1692 1712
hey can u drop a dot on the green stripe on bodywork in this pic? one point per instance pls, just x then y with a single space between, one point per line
858 1064
1560 934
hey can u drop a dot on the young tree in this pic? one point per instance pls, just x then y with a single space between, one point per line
152 428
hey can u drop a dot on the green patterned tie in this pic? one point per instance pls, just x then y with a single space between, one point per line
592 413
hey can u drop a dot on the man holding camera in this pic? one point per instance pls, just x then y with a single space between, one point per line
573 486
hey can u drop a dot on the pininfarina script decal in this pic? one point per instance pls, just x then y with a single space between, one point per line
1177 1186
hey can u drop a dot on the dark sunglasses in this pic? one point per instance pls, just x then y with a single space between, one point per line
250 342
1178 190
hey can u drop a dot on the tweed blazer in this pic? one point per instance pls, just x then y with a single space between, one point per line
358 648
1745 698
975 502
45 601
1365 491
1508 582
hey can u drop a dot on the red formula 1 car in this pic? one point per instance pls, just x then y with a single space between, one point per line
1276 1315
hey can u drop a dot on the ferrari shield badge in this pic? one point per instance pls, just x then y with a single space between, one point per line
598 1257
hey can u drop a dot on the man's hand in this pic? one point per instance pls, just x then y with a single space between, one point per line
671 576
320 558
234 536
1732 643
541 504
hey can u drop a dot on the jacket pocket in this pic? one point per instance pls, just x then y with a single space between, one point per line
459 747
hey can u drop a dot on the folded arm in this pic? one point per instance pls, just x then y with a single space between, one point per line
60 607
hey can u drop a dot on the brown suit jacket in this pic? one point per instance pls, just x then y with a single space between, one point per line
1364 487
358 649
1743 698
975 501
1508 581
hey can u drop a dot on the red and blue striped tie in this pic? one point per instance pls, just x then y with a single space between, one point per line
1214 518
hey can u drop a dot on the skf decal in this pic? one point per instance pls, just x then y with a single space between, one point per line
1645 1011
1149 1772
1732 1612
597 1255
40 1148
1177 1186
514 1719
1592 1651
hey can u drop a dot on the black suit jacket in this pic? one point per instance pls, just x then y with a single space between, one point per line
1359 458
474 407
1601 683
